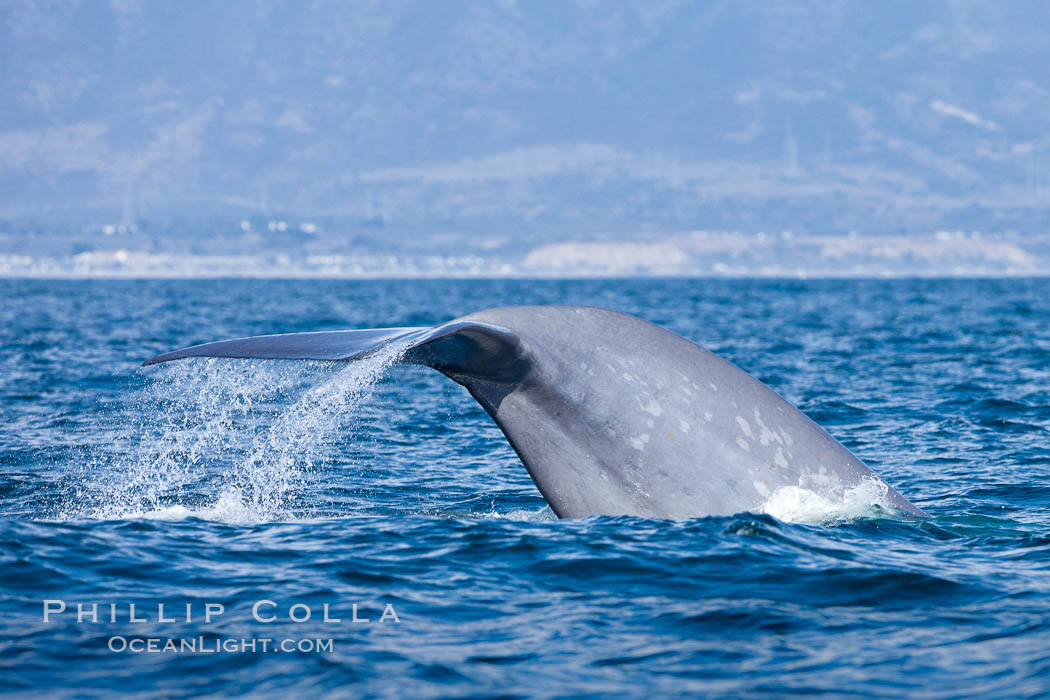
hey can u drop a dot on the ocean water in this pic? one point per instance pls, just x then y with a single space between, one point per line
288 487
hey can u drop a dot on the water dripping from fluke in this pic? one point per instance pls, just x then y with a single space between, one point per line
227 440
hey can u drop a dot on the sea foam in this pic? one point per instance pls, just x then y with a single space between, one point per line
810 504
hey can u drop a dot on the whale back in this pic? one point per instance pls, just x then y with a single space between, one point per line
610 414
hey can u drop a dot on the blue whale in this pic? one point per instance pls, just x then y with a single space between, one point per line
610 414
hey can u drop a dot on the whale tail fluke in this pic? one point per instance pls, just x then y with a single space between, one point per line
458 349
324 345
610 414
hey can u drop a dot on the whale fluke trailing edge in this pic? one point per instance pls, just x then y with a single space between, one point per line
610 414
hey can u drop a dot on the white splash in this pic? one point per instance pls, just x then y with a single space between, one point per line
521 515
799 504
229 508
218 440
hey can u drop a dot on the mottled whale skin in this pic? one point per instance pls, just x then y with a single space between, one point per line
610 414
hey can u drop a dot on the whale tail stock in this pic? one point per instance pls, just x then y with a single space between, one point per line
610 414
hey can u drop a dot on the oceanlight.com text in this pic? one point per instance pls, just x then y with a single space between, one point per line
205 645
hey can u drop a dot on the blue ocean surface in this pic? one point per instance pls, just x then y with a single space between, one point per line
368 491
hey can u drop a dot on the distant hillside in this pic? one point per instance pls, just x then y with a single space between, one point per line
526 123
